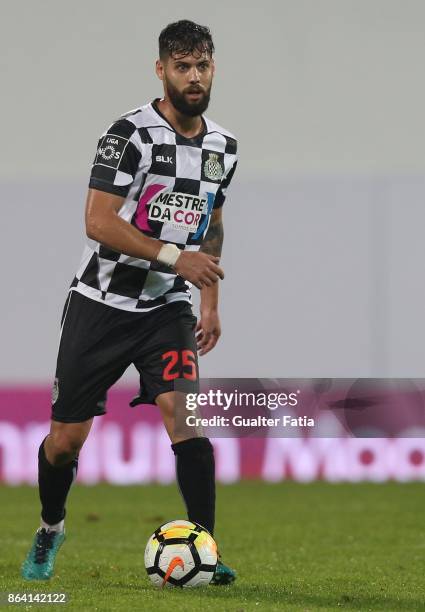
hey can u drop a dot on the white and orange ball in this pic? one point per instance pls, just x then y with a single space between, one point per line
180 554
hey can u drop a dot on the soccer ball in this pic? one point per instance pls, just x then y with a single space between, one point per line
180 553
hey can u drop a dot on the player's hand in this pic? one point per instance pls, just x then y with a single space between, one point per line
199 268
208 330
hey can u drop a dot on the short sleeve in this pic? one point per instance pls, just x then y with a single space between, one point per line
222 190
117 159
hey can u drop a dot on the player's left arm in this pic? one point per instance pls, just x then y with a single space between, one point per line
208 327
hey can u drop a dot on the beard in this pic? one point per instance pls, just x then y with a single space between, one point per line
184 106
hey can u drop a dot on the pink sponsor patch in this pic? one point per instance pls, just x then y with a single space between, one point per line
141 218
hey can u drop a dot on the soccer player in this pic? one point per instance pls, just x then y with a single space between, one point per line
154 224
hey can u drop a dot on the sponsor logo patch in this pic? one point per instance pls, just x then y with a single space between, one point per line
182 211
110 150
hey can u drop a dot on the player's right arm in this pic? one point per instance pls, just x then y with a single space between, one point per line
104 225
114 168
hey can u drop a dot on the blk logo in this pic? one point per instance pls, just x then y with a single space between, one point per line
165 159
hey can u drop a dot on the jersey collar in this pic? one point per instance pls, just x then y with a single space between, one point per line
194 139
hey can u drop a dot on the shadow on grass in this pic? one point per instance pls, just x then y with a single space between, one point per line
279 596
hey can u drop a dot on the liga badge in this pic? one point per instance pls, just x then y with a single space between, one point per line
212 167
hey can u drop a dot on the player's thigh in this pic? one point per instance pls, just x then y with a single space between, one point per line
91 358
168 362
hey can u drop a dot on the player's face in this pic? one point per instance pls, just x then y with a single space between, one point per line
187 82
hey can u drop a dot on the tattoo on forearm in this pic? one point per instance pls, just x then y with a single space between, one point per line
213 240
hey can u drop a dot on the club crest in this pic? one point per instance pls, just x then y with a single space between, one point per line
55 391
212 167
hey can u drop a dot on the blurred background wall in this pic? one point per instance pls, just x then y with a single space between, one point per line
324 245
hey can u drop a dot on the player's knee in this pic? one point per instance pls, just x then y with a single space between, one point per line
167 405
63 447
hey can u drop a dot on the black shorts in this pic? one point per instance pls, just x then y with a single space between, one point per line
98 343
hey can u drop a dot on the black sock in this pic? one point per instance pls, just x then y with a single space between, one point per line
54 484
195 469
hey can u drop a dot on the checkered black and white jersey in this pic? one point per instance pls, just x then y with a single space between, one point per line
170 184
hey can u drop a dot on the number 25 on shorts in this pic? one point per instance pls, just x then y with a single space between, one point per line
181 364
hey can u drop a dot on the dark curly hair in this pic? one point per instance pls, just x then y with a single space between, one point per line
183 38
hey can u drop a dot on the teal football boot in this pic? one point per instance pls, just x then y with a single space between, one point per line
223 574
40 560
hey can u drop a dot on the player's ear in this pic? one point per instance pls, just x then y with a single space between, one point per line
213 66
159 69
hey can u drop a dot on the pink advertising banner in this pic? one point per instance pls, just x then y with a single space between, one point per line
129 446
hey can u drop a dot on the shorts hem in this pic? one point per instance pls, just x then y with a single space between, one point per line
151 399
61 419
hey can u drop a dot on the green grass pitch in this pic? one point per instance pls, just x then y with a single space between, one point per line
295 547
